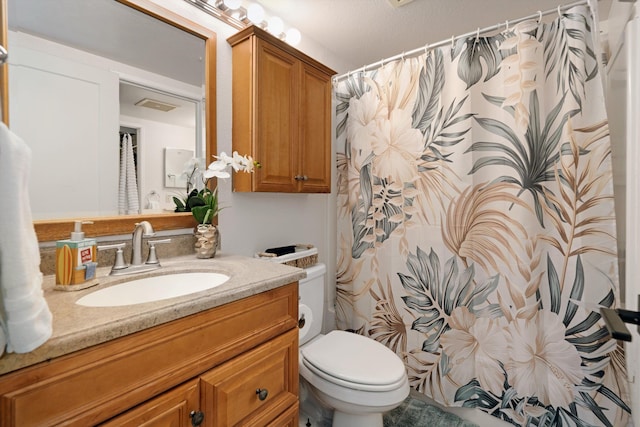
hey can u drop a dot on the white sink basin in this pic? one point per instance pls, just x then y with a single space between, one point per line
151 289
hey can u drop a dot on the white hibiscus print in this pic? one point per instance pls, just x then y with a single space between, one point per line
476 346
542 362
397 147
397 83
364 113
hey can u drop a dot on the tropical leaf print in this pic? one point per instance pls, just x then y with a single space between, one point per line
475 220
387 325
520 67
429 373
471 51
556 356
569 54
581 187
353 87
481 233
435 291
429 91
383 207
532 160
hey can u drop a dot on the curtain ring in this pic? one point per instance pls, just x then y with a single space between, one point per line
507 25
559 12
426 48
453 45
539 17
402 56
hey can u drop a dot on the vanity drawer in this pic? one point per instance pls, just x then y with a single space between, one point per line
231 392
98 383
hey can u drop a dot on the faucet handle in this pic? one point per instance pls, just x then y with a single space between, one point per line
119 263
153 258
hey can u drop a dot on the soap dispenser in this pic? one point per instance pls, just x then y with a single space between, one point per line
76 257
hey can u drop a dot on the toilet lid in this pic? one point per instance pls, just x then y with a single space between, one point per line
353 358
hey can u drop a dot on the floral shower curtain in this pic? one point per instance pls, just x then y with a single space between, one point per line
476 229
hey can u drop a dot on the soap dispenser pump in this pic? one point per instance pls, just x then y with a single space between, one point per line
77 234
76 257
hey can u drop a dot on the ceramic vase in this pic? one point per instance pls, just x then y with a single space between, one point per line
207 238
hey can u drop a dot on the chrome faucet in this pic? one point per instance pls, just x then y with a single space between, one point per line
142 229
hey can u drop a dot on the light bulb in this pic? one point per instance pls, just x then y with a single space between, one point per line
293 36
232 4
275 25
255 13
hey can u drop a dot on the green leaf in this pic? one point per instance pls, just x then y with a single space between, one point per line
200 213
554 286
180 206
576 293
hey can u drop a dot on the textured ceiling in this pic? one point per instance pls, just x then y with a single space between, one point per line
355 32
361 32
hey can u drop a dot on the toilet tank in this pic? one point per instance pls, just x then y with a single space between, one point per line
311 300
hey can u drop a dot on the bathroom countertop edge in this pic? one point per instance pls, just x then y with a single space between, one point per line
76 327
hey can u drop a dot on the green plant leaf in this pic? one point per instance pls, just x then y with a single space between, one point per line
180 205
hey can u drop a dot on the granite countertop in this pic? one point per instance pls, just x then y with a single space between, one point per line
76 327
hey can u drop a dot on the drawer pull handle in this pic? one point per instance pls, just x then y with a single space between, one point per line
301 177
196 418
262 393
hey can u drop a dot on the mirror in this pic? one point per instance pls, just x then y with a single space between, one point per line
159 82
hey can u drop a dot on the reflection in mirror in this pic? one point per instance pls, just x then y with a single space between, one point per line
77 69
159 122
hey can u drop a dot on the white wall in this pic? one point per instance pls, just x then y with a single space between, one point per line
153 138
253 222
81 132
623 107
68 142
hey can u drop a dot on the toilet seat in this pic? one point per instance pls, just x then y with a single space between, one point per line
354 361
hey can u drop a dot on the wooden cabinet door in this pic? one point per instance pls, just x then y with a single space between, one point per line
276 102
288 418
281 115
255 388
315 131
171 409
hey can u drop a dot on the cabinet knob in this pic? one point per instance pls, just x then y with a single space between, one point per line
262 393
196 418
301 177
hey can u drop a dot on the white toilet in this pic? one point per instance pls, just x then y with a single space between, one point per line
356 376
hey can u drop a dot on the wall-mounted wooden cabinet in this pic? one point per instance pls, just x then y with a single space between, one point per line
207 365
281 115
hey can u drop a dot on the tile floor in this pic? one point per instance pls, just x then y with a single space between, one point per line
414 412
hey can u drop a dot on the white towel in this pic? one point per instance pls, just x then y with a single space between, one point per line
128 203
26 319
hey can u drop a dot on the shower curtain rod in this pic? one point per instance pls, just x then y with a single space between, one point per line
427 47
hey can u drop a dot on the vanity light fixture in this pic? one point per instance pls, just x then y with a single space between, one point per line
155 104
275 26
255 13
232 12
232 4
293 36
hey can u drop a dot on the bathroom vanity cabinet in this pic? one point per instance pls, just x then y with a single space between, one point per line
236 364
281 115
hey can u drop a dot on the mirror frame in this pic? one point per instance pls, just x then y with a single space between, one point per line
50 230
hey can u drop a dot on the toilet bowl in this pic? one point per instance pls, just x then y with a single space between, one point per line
356 376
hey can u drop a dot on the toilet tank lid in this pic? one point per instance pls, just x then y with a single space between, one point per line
315 270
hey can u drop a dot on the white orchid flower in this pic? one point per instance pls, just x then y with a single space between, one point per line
217 169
